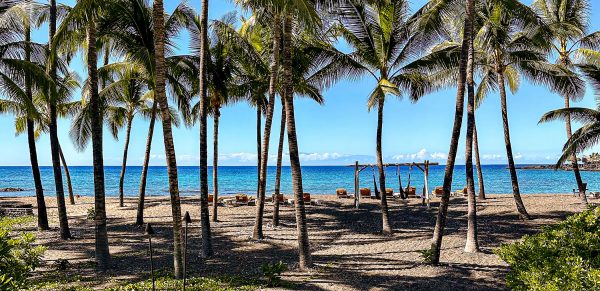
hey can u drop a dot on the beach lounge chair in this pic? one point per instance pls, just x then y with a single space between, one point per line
280 197
241 199
438 191
341 193
411 192
306 198
389 192
460 193
365 192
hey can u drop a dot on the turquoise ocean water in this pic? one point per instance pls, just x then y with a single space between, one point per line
316 180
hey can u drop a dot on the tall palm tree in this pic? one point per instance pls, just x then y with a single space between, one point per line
512 43
589 134
207 250
383 43
53 128
161 97
431 17
129 28
21 16
84 16
568 23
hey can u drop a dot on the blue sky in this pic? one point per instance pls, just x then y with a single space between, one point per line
337 133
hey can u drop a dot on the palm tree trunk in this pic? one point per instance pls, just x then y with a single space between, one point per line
258 146
67 175
385 217
279 162
305 259
140 210
216 164
580 185
509 154
440 223
161 95
42 219
478 161
65 233
207 250
264 155
124 165
102 249
472 244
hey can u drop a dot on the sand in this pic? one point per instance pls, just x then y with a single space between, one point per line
348 251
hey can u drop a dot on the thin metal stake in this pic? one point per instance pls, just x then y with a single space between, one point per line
187 220
150 232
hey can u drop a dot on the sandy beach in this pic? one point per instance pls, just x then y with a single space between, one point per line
349 253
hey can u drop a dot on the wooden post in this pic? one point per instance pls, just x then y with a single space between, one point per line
426 174
356 185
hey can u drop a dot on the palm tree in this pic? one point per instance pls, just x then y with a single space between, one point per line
53 128
512 43
382 46
589 134
84 16
207 250
130 31
568 23
22 15
161 96
430 20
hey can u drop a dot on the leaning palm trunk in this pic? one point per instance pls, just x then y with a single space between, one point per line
207 250
264 155
124 165
258 146
140 210
385 217
440 223
279 162
478 162
42 217
509 154
161 96
472 244
102 249
580 185
305 260
216 164
65 233
67 175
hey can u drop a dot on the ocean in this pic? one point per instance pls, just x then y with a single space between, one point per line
316 180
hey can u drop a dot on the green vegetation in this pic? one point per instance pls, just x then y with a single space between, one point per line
565 256
166 283
272 272
18 256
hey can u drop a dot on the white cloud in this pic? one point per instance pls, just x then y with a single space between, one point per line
518 156
491 157
239 157
439 156
319 156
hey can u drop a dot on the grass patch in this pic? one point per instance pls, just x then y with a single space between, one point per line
200 283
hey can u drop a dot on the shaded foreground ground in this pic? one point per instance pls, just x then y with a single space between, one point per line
349 253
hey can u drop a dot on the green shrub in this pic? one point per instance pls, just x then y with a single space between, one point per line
193 284
272 272
18 256
565 256
91 213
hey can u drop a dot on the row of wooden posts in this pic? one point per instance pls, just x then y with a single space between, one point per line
424 167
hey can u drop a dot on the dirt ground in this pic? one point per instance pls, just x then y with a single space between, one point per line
348 251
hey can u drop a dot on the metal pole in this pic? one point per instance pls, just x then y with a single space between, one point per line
187 219
150 232
356 190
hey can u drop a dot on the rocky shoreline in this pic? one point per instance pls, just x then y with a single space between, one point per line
590 168
9 189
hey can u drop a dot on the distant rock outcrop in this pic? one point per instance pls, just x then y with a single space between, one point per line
10 189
